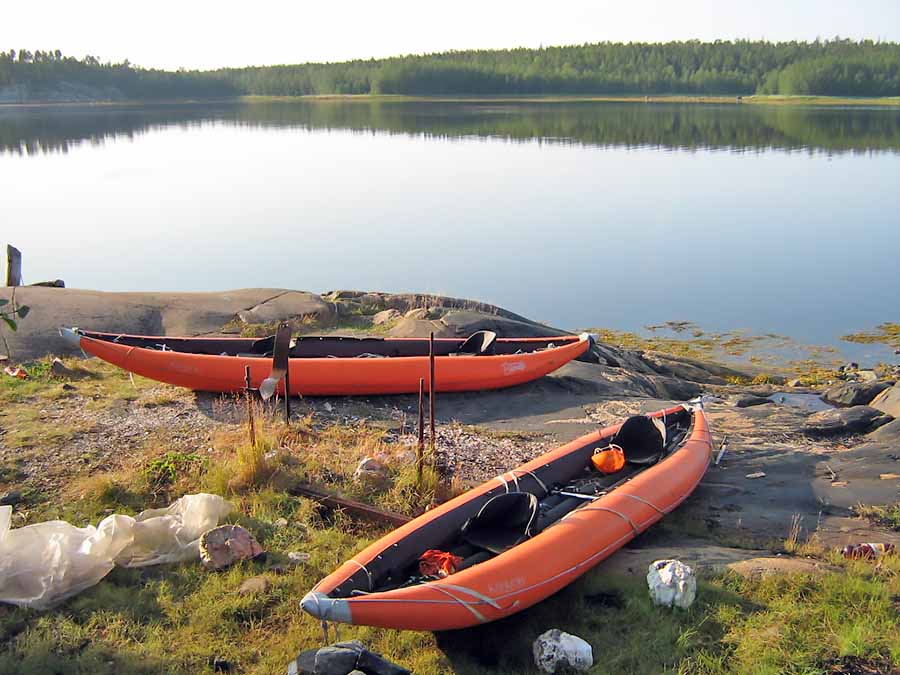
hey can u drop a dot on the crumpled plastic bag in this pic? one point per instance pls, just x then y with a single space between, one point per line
46 563
672 584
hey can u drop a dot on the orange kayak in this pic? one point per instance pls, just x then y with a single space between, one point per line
519 538
335 366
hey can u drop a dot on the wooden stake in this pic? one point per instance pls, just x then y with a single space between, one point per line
287 394
250 422
431 391
420 451
13 266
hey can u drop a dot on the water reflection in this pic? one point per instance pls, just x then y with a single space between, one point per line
33 130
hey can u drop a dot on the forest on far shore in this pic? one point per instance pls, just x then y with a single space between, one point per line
838 67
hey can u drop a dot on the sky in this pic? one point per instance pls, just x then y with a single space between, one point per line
210 34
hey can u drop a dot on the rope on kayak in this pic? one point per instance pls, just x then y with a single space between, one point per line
364 569
532 474
475 594
465 603
613 511
644 501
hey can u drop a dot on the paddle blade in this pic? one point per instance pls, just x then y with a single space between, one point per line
279 362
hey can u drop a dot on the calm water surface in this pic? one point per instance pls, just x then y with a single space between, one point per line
774 219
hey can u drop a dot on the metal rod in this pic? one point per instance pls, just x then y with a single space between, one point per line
722 450
250 422
431 392
287 394
420 450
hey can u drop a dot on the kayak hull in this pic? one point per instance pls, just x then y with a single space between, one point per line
339 376
536 568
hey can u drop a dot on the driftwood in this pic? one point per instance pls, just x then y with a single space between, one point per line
56 283
351 506
13 266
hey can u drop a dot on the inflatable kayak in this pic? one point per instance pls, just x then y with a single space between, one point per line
519 538
334 366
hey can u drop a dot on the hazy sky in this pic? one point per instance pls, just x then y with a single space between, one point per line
207 34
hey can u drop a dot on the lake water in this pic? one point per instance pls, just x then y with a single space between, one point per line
773 219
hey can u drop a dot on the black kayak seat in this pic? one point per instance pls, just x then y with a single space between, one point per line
641 440
503 522
479 343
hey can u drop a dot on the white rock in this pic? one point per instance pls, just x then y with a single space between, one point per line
672 584
555 648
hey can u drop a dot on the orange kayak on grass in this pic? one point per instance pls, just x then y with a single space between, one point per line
519 538
335 366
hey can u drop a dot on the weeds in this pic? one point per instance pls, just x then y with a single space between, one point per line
888 515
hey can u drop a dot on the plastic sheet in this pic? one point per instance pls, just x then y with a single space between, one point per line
43 564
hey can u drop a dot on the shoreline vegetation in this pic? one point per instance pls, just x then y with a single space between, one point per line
836 68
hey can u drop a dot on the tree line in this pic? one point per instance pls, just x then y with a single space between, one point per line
838 67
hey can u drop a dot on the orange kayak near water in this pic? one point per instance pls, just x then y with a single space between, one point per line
336 366
517 539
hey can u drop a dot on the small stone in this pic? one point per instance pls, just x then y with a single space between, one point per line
281 522
298 557
796 382
221 665
10 498
227 544
554 649
67 387
371 471
254 585
757 474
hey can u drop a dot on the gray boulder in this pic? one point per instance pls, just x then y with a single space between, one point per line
888 434
288 305
749 401
336 660
888 401
854 393
859 419
343 658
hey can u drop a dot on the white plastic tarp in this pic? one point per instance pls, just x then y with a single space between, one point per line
43 564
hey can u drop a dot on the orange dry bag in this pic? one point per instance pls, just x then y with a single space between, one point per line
610 460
